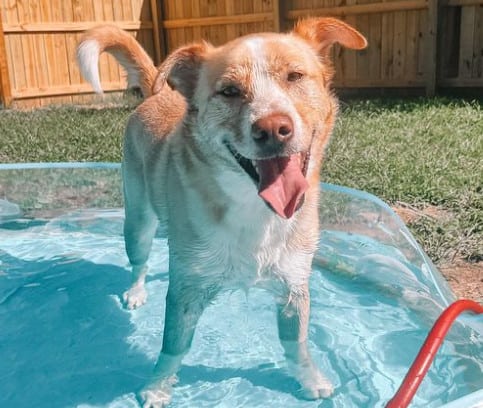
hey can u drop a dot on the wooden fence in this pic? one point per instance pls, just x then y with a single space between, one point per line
38 41
418 44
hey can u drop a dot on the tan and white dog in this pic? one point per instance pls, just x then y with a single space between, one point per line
224 154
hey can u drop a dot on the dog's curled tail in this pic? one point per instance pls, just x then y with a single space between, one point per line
139 67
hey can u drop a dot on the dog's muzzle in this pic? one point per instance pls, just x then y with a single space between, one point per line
280 180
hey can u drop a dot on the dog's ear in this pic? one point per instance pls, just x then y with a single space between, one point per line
180 70
324 32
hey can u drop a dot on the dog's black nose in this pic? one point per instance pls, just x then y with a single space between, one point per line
275 128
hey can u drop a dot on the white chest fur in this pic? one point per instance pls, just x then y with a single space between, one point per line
231 238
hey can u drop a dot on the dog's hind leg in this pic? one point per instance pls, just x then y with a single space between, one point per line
293 321
140 224
139 229
184 306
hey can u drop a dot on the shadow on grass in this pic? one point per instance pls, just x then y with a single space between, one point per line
390 103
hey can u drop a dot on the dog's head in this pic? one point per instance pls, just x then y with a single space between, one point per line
264 101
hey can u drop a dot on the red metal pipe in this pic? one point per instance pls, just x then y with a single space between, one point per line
423 361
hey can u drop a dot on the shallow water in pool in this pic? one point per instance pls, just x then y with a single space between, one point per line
66 341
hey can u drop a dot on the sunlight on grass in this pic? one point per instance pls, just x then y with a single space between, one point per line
62 134
417 152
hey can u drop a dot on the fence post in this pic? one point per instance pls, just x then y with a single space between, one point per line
283 23
432 48
5 87
276 16
158 34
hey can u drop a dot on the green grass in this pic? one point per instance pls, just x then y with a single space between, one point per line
419 152
62 134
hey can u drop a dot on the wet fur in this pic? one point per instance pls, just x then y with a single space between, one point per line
179 174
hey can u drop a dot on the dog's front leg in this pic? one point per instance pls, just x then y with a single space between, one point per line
293 321
136 295
184 306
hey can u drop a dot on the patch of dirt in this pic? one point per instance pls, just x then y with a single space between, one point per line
410 214
464 278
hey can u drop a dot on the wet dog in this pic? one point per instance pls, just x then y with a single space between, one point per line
224 155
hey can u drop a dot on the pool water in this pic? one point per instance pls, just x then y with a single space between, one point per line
66 340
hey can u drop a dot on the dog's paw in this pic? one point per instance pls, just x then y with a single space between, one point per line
157 394
135 297
314 384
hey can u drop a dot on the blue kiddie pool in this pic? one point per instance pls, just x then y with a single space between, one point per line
66 340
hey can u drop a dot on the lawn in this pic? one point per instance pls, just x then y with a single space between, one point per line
421 154
425 155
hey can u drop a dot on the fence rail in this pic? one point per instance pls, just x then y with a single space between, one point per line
415 44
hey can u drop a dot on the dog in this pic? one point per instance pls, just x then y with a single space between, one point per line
224 156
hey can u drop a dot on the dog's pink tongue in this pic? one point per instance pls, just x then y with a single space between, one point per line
282 184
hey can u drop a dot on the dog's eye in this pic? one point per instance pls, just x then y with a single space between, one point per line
294 76
230 91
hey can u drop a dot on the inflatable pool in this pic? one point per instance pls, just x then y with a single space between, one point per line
66 340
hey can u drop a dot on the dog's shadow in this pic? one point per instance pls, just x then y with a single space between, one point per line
63 339
272 378
63 334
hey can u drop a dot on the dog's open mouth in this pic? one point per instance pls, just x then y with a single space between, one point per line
280 180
